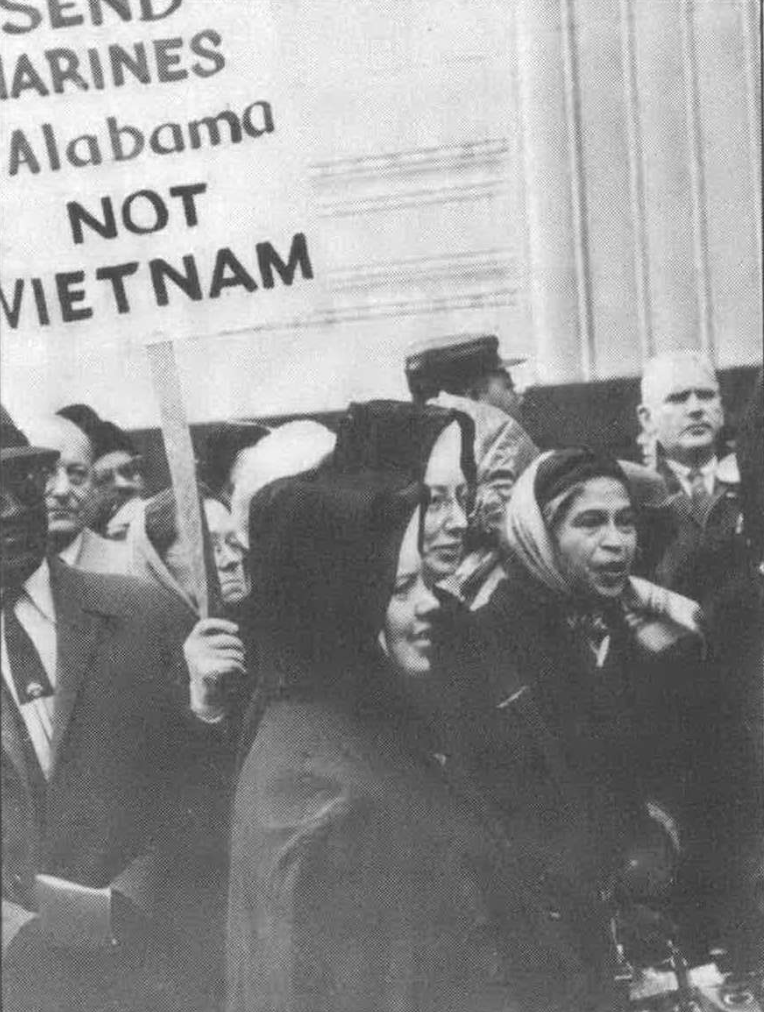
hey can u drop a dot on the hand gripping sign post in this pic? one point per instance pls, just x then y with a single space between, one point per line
152 189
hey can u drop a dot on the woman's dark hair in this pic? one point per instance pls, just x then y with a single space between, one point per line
397 437
561 477
323 554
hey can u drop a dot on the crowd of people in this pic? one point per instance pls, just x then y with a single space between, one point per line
467 725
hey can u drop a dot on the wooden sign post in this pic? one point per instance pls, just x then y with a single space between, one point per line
152 180
182 464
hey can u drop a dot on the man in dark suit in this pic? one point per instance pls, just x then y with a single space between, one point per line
690 539
103 791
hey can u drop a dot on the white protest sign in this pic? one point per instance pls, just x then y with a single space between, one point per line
150 171
152 188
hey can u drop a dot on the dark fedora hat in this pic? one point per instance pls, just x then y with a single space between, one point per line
15 445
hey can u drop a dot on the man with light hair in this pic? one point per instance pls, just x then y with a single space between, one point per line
682 410
690 543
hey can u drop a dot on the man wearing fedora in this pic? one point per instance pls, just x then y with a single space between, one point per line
102 792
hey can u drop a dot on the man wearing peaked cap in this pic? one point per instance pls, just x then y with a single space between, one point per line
468 365
98 757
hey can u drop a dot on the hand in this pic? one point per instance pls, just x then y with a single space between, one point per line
215 659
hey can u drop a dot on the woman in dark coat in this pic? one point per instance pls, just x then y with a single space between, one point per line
583 735
362 876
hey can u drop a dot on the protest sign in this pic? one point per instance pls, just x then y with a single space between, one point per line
151 188
357 194
127 128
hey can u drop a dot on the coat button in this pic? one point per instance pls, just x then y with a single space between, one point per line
555 915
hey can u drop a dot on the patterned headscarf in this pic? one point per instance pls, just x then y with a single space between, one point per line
654 614
526 538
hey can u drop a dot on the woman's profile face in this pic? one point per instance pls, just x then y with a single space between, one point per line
407 633
597 539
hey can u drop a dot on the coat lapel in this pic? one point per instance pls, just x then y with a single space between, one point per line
23 797
14 750
673 484
703 510
79 630
682 506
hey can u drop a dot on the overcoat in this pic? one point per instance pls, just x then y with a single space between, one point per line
691 548
364 876
574 755
125 801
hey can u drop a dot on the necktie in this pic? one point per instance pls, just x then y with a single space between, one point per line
29 674
698 491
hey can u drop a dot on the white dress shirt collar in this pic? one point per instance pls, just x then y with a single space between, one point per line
39 591
36 612
683 472
72 551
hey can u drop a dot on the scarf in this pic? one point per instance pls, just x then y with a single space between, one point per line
656 616
146 561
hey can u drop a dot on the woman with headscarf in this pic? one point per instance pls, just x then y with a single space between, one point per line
581 736
362 877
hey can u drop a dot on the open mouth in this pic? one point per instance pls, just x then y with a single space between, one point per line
613 569
451 550
612 575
